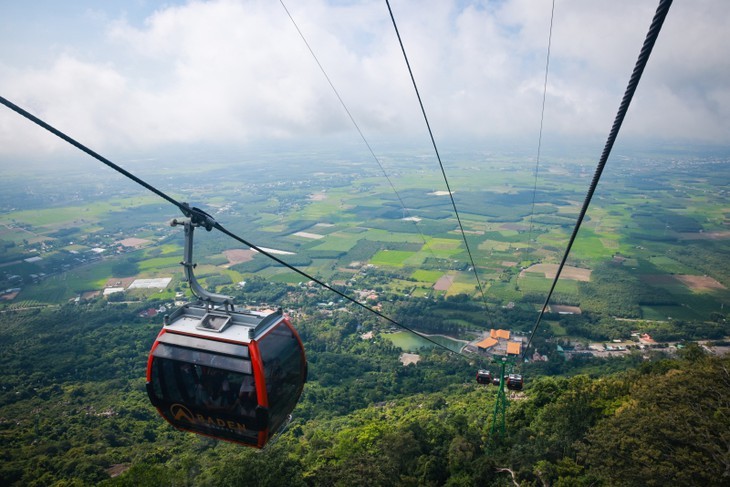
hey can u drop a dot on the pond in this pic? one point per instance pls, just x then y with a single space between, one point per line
409 342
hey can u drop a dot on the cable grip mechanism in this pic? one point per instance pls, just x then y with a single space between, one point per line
198 218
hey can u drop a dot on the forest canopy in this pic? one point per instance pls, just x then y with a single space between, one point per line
364 419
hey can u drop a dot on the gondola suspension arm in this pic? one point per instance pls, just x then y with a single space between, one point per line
198 218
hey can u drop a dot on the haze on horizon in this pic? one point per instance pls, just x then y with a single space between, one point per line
138 78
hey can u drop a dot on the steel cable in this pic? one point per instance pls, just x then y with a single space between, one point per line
438 157
201 217
651 37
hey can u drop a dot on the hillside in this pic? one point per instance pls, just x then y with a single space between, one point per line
401 281
85 293
74 412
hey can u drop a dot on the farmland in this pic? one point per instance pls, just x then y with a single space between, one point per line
666 231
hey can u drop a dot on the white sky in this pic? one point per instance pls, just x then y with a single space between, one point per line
137 76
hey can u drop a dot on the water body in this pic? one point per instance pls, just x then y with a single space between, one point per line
408 342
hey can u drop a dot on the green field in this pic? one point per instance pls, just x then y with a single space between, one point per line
426 276
287 277
158 264
464 283
589 246
384 236
360 220
661 313
60 216
394 258
422 292
339 241
68 285
538 283
15 234
670 266
443 248
408 342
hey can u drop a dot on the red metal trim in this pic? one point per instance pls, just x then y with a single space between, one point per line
150 357
257 365
263 437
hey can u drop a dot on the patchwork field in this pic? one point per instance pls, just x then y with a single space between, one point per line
334 225
238 256
393 258
444 282
426 276
693 283
549 271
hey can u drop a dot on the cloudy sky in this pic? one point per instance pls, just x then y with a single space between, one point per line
138 75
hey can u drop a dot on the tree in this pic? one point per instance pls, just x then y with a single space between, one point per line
273 467
125 268
673 430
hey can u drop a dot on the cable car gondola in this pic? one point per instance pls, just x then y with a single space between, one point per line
514 382
230 374
484 377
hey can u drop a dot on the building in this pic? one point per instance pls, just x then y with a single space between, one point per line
499 342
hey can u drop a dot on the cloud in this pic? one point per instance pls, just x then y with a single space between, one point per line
234 72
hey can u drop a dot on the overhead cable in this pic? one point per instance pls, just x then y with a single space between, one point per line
651 37
90 152
542 119
357 127
438 157
199 216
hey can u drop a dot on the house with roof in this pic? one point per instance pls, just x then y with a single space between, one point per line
498 342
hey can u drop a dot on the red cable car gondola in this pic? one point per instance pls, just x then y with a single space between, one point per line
229 374
484 377
515 382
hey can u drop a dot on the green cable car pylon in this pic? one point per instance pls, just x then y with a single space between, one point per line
513 382
500 404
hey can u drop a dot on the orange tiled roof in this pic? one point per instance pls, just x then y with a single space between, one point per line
487 342
513 348
499 334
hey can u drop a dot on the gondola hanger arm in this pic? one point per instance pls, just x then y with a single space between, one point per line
198 218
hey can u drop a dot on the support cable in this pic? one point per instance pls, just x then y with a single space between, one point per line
357 127
202 218
225 231
542 119
90 152
438 156
651 37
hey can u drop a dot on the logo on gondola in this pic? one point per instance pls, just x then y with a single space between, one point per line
179 412
182 413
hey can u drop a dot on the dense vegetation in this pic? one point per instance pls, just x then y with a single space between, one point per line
74 412
73 409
